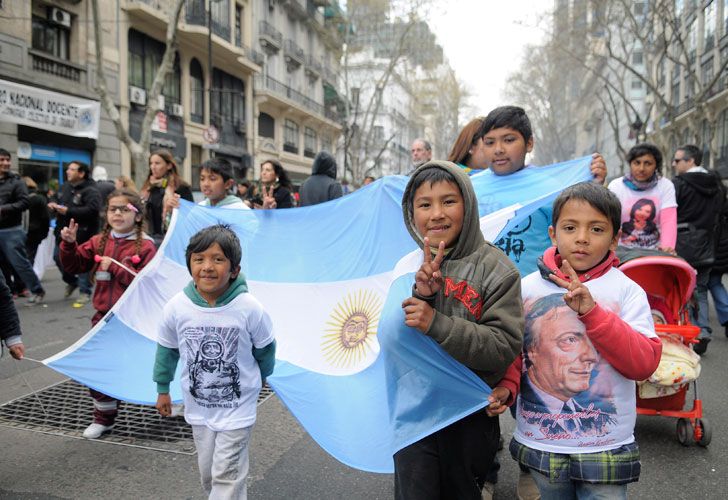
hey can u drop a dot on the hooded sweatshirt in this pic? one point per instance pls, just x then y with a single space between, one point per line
478 316
322 185
698 198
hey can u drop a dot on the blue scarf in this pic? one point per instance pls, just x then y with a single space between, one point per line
635 185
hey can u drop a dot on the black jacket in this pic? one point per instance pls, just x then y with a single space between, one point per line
13 200
39 219
84 202
10 325
322 185
105 188
155 205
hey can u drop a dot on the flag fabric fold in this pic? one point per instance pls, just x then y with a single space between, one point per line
332 277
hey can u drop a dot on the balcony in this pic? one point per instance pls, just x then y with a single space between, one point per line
329 76
283 90
256 57
313 67
296 9
314 15
50 65
195 13
293 55
270 38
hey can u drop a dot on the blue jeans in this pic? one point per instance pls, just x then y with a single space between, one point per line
81 280
699 315
12 245
720 297
583 491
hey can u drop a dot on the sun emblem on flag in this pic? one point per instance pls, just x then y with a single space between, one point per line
351 329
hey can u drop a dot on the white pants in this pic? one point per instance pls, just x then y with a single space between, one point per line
223 461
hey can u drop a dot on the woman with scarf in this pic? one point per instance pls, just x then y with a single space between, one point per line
649 209
158 192
276 188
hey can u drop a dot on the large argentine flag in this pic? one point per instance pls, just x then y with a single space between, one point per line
332 277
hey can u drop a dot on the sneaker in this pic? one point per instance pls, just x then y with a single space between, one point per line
69 290
526 488
95 431
701 346
82 300
35 299
487 492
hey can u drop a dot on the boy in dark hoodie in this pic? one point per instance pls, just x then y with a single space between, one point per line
582 351
225 339
322 185
466 297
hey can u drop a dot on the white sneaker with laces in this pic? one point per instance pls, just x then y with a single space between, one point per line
95 431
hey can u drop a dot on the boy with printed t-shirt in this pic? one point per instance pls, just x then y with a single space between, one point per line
582 352
225 340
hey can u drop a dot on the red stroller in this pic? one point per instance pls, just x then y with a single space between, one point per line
671 281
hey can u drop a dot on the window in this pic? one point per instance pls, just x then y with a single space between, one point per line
220 10
637 57
707 71
197 92
675 96
228 98
355 96
636 83
144 57
692 41
705 137
722 132
290 137
238 25
266 126
309 142
51 38
709 25
196 157
725 17
638 8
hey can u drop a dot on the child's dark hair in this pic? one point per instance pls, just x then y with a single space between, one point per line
646 149
509 116
219 166
431 175
135 200
220 234
599 197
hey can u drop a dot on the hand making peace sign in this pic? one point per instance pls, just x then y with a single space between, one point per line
428 279
269 200
577 297
69 233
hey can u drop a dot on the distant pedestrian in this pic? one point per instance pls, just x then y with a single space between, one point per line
322 185
113 256
368 180
699 196
421 153
104 185
225 341
10 325
78 199
13 202
158 191
276 187
245 192
39 220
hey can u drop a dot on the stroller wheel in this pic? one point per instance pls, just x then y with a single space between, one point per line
706 432
685 432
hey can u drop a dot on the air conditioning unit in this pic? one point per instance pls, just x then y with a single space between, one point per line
59 16
177 110
137 95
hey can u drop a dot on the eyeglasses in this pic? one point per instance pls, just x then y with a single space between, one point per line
678 160
120 208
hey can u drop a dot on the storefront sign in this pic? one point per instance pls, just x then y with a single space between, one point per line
46 110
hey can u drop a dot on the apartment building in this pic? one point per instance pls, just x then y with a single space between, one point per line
296 98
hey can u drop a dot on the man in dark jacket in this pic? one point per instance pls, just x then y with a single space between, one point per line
78 199
10 325
13 202
322 185
699 199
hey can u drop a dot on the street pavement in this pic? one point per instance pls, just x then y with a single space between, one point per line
285 462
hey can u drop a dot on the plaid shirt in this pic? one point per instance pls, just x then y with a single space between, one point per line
618 466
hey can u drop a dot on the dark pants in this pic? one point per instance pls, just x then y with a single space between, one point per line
81 280
12 246
449 464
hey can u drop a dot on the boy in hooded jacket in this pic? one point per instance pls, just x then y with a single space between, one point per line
466 297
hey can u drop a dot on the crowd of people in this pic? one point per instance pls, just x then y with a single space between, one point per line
546 331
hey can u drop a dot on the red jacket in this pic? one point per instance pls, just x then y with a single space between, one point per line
80 259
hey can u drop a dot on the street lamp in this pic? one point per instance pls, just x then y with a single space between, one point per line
209 54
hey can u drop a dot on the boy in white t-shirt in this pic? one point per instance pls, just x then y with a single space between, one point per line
225 340
582 352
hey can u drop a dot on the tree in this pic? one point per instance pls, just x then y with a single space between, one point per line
139 150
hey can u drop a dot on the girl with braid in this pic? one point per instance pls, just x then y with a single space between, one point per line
112 257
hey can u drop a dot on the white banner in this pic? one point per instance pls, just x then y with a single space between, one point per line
46 110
